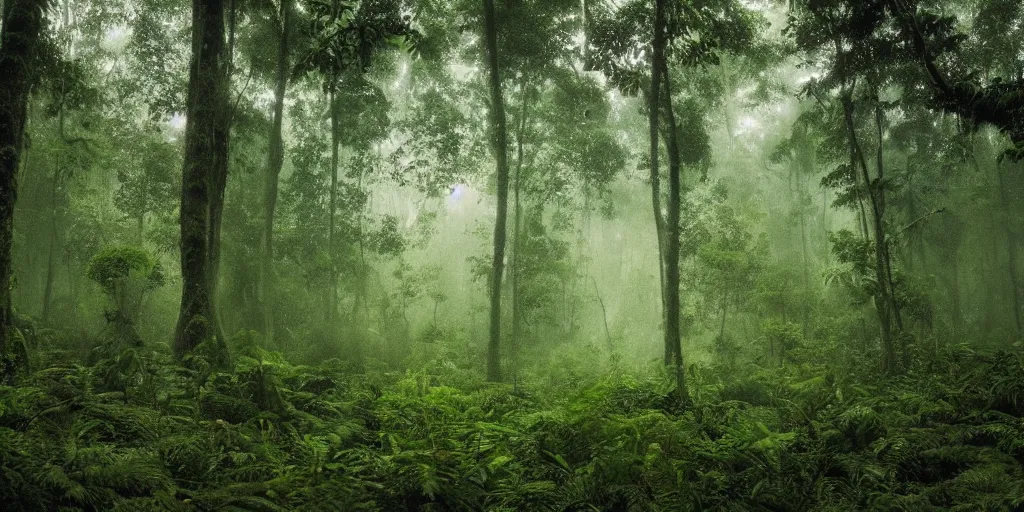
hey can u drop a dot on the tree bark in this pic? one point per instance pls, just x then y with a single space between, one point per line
332 304
275 164
673 339
500 142
673 336
879 197
219 174
883 297
517 227
51 251
206 144
23 25
654 120
805 263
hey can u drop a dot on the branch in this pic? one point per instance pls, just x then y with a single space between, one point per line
234 109
909 23
919 220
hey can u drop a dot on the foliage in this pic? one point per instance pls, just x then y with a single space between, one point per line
268 435
114 267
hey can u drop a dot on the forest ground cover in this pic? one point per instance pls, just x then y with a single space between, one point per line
130 430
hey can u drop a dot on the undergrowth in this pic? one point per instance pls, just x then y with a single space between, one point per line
134 432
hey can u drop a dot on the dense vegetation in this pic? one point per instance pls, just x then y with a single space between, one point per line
511 255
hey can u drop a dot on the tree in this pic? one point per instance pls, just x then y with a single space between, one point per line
206 151
861 62
999 103
676 33
275 162
125 274
344 39
499 138
21 40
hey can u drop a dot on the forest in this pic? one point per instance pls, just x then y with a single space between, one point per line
511 255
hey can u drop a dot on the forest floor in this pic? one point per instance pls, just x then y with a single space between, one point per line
134 432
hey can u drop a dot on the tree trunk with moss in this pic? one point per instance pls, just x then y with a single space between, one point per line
206 144
673 305
500 142
661 91
654 120
884 301
275 164
23 25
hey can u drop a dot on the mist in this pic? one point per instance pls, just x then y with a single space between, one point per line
511 255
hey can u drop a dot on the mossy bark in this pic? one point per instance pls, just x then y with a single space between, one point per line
23 25
275 164
500 142
206 145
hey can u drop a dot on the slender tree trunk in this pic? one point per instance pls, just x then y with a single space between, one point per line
805 166
673 336
725 310
51 251
805 303
361 322
883 302
332 304
604 316
206 144
879 197
654 120
275 163
219 175
881 239
500 143
517 228
863 214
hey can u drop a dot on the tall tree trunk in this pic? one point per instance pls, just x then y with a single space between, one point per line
879 197
517 226
805 303
883 300
23 25
275 163
206 144
805 166
500 143
654 120
332 304
881 239
219 175
673 337
51 251
361 322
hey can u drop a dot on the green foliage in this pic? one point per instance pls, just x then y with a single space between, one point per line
114 267
267 435
781 337
125 274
